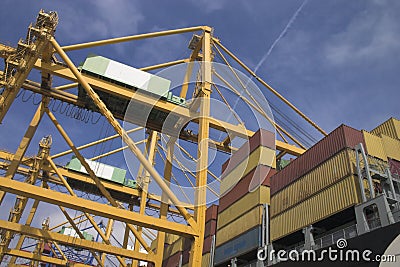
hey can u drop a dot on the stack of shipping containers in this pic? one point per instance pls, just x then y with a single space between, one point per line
318 188
177 248
244 190
321 187
389 133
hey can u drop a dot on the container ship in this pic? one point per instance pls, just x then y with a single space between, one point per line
345 188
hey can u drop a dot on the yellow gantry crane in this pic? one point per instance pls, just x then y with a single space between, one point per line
40 50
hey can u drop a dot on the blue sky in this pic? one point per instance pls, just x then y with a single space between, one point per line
339 61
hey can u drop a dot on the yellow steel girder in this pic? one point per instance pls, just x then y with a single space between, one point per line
35 257
84 178
162 105
73 241
95 208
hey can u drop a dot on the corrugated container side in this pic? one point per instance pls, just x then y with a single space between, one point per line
207 244
240 225
392 147
212 212
395 168
185 256
172 260
342 137
243 205
326 174
170 238
260 138
238 246
262 173
391 128
178 245
260 156
210 228
374 146
338 197
205 260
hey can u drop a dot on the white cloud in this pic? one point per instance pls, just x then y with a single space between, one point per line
102 19
370 35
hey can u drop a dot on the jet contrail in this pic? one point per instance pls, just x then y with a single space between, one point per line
292 19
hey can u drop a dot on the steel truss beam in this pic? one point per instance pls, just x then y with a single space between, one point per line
35 257
95 208
118 128
162 105
84 179
72 241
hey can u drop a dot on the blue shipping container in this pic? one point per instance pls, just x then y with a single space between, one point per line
240 245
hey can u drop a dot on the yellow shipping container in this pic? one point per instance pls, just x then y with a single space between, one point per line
205 261
333 199
246 203
260 156
169 239
391 128
374 146
240 225
173 248
392 147
321 177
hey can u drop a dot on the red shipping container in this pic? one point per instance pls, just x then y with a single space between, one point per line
185 256
260 138
210 228
342 137
211 212
242 187
207 245
173 260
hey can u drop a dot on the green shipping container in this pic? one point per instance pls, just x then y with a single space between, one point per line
120 73
101 170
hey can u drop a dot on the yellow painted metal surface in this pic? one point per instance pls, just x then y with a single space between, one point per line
336 198
392 147
374 145
391 128
260 156
240 225
321 177
243 205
